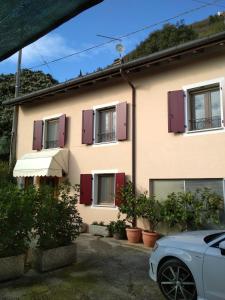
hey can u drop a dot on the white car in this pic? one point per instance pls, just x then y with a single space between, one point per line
190 265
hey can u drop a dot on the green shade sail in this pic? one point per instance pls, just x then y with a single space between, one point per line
24 21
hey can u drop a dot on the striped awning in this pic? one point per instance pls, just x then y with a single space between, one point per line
49 162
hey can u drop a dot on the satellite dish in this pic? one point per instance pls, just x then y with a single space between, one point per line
120 48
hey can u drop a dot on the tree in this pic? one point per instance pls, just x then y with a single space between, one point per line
30 81
170 35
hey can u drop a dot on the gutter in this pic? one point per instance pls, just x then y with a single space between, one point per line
133 142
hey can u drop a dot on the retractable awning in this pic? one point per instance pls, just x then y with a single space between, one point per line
51 162
24 21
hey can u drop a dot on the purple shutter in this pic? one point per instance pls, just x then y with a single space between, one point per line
121 121
86 189
62 131
120 182
37 135
87 126
176 118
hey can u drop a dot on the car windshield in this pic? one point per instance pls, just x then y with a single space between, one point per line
211 237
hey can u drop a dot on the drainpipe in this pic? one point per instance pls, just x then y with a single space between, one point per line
125 77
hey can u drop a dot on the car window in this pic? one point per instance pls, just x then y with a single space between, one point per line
216 245
209 238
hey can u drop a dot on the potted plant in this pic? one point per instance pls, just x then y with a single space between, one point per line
117 229
16 221
130 207
99 229
57 224
151 209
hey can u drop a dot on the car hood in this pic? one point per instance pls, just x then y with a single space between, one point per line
187 238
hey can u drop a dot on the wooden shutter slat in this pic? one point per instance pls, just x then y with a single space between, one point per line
87 126
62 131
120 182
37 135
121 121
86 189
176 116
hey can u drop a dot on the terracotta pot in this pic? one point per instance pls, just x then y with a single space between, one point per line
149 238
133 235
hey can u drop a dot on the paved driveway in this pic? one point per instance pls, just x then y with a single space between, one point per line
106 269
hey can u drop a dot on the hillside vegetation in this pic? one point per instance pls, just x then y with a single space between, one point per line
30 81
172 35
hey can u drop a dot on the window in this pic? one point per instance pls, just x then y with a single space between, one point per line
106 125
101 188
25 182
204 108
51 133
215 185
50 181
105 189
28 182
162 187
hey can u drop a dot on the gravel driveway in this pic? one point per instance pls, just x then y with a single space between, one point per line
106 269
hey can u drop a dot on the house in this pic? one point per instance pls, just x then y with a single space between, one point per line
158 121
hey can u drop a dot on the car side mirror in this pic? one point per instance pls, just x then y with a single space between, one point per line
222 247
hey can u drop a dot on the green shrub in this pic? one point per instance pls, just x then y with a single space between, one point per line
101 223
117 227
5 174
129 204
16 219
110 227
191 211
151 209
57 220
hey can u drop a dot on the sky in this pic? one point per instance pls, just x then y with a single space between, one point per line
113 18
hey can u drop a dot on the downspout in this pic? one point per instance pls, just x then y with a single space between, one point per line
133 141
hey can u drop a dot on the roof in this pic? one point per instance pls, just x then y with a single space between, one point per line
24 21
115 71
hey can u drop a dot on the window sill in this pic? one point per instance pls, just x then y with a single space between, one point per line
105 144
208 130
95 206
46 149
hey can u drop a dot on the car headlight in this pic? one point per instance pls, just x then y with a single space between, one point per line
155 247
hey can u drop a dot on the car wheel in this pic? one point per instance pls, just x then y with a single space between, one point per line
176 281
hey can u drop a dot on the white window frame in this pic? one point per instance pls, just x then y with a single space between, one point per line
195 86
96 108
45 120
95 174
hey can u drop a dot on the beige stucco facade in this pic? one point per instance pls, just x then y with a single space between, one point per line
82 158
159 154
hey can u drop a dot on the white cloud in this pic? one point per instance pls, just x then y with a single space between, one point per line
53 46
48 47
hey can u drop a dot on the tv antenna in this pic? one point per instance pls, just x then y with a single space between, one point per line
119 47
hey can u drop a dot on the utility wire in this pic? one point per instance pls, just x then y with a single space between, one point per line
42 57
131 33
211 4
